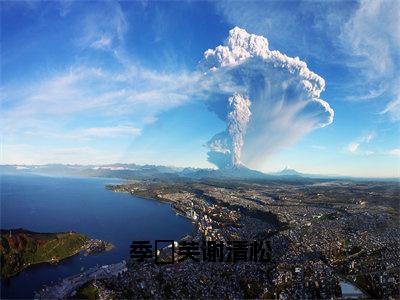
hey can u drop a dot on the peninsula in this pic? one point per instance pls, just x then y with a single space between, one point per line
22 248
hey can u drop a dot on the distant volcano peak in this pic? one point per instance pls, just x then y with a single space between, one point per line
288 171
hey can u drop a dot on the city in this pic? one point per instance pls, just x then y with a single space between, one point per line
323 234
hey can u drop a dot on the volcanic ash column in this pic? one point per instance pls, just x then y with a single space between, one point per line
284 94
238 118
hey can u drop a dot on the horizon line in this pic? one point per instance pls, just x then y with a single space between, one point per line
273 173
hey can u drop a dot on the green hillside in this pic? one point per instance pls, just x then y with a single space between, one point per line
21 248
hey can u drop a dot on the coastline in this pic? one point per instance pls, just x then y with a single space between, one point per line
54 194
88 247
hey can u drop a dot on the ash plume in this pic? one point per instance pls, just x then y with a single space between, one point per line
233 138
267 99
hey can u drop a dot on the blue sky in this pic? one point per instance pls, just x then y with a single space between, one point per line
104 82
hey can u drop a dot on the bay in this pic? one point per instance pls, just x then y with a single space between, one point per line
57 204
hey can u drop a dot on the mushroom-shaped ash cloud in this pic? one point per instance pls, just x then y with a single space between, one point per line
268 100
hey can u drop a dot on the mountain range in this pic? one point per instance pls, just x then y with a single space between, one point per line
139 172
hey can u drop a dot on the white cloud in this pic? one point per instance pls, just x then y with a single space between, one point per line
127 95
318 147
103 42
395 152
369 137
373 34
393 107
279 99
353 147
369 95
44 154
137 95
127 131
368 152
65 7
109 131
106 26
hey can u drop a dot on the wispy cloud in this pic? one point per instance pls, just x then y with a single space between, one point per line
86 133
65 7
393 107
318 147
395 152
103 42
369 137
370 95
138 95
106 26
354 147
110 131
372 34
359 147
44 154
122 92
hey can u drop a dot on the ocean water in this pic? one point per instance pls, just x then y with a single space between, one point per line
52 204
349 291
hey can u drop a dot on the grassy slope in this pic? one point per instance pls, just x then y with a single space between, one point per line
87 291
23 248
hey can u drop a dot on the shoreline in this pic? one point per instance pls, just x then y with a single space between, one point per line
89 247
184 202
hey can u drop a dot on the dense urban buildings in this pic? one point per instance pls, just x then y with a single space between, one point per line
324 235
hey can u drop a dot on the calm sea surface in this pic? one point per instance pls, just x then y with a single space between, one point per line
51 204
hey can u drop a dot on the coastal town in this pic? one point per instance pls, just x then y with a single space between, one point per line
325 236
